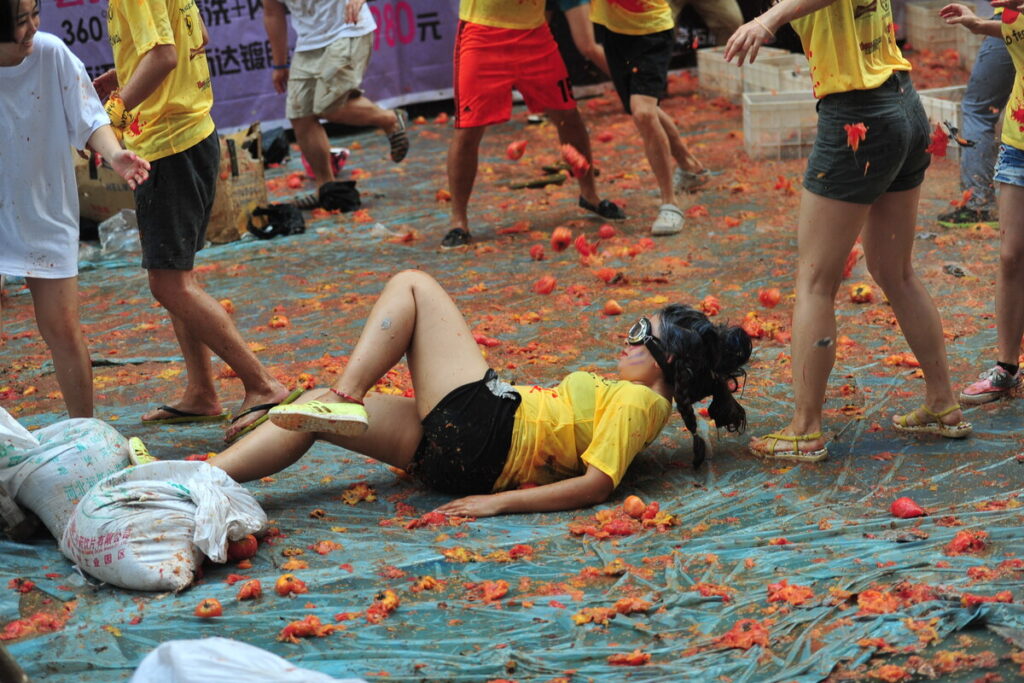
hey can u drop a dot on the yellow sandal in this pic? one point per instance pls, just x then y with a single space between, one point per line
793 452
934 424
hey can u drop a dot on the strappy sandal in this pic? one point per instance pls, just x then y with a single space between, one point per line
934 424
307 202
790 452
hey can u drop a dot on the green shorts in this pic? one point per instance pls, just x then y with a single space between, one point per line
890 158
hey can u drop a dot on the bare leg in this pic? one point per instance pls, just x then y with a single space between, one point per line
1010 277
680 152
392 437
572 131
888 245
56 308
313 142
414 317
362 111
463 153
656 142
207 323
826 233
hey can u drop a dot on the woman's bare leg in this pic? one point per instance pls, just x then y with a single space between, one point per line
392 437
414 317
888 245
1010 276
827 231
56 308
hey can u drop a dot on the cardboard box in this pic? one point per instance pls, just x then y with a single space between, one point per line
240 187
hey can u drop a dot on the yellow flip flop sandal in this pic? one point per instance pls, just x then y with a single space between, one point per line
790 452
138 454
934 424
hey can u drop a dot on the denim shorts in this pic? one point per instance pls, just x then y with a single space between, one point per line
1010 166
890 158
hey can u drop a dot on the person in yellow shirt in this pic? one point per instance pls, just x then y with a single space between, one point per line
501 45
638 40
1003 377
159 97
863 179
467 433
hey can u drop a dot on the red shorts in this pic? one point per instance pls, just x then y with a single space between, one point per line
490 62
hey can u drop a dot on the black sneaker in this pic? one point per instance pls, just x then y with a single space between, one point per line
456 237
965 218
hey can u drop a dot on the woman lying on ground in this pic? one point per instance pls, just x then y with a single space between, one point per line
468 433
863 179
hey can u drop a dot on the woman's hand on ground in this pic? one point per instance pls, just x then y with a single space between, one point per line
473 506
132 168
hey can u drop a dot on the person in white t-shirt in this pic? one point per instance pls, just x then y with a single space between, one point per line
47 106
324 78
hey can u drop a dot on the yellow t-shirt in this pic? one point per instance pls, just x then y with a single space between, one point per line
176 116
851 45
519 14
632 17
585 420
1013 36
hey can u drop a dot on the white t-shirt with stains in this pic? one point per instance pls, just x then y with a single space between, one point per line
47 106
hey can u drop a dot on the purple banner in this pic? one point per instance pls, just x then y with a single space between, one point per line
412 59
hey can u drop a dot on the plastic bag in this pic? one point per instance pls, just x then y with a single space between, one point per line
119 235
222 660
148 527
48 471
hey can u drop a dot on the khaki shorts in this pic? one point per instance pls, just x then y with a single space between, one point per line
321 78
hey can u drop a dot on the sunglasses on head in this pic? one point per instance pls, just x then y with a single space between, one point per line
641 334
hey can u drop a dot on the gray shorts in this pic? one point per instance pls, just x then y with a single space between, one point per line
327 76
173 206
892 156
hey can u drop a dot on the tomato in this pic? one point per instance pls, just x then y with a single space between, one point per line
288 584
769 297
634 506
545 285
250 590
612 307
905 508
515 150
560 238
208 608
243 548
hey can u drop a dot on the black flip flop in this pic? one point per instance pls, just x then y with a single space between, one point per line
290 398
183 417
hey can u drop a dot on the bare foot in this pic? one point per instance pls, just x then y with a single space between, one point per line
185 409
250 410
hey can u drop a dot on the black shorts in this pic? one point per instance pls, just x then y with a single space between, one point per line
892 157
466 438
639 64
173 206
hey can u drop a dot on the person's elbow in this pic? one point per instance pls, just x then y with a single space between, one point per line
597 489
165 58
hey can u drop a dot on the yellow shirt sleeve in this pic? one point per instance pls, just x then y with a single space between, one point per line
150 25
633 418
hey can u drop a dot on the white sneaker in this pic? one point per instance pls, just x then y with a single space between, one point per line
669 220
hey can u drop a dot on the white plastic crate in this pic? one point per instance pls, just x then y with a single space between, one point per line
926 30
777 73
718 77
967 45
942 105
779 125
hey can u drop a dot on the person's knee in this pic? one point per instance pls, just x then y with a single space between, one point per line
167 285
305 123
411 278
644 112
1011 256
889 274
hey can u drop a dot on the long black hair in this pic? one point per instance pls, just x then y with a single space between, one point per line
705 360
8 19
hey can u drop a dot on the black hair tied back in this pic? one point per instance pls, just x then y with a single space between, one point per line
707 360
